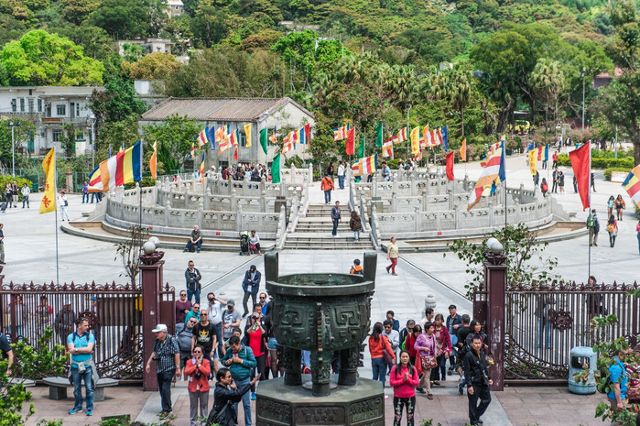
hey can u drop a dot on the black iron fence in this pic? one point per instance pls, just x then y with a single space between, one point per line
543 324
114 313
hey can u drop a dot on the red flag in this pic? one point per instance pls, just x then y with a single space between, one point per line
449 167
307 133
581 165
350 145
235 154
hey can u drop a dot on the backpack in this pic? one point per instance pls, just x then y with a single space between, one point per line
590 222
184 340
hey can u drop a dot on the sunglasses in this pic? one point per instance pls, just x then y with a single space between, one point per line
203 314
197 352
183 294
262 297
196 307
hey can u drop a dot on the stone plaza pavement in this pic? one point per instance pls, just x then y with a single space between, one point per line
30 256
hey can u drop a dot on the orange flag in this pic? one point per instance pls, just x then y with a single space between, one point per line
463 150
153 162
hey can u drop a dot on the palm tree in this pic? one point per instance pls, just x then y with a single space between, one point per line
547 81
454 87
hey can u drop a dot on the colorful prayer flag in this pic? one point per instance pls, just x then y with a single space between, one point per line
445 137
379 134
402 135
203 138
48 202
264 140
463 150
449 165
533 162
632 185
350 143
387 149
202 168
493 170
193 151
124 167
415 141
275 169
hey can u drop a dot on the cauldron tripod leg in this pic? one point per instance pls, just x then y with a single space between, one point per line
291 361
349 359
320 374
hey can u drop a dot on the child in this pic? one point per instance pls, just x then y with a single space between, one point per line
356 268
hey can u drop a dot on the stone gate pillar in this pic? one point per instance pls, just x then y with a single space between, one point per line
495 274
151 271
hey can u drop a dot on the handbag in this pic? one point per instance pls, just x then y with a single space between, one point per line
428 362
227 416
385 353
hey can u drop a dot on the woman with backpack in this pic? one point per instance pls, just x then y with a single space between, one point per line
612 229
404 380
381 351
356 225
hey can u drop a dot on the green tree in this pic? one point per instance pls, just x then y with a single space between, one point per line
454 86
40 58
118 101
154 66
23 131
174 138
77 11
124 18
547 81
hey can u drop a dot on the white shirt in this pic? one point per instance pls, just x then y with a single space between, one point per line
26 190
394 338
341 170
216 312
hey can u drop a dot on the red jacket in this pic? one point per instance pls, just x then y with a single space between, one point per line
445 340
376 348
201 383
402 388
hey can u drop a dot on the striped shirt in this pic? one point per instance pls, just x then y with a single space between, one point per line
165 353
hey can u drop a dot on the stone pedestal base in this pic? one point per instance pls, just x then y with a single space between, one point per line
280 405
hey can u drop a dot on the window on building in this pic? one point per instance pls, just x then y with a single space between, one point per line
61 110
30 103
21 104
39 105
56 135
243 139
14 105
80 135
77 110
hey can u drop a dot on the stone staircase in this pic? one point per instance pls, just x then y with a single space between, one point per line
313 232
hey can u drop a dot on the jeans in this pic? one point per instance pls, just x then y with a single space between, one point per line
245 299
341 182
481 392
246 402
356 235
327 197
612 239
638 235
219 336
85 197
164 384
334 230
197 246
379 366
197 400
193 293
25 200
77 377
398 408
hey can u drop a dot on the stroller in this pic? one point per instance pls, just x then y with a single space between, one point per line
244 243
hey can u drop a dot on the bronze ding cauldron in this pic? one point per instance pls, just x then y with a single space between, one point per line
321 313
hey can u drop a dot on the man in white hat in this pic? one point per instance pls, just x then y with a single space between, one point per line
166 354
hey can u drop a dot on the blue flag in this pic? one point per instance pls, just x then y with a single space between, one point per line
502 174
211 135
445 137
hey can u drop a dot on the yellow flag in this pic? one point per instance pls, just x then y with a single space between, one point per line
48 202
533 161
247 134
415 141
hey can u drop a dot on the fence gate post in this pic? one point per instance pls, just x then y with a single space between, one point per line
495 274
151 270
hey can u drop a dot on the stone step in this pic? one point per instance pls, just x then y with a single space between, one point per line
328 246
319 238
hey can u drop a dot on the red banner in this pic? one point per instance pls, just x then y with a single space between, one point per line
581 165
449 167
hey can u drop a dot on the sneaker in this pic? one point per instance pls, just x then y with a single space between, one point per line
253 396
436 383
73 411
394 274
429 396
386 397
387 268
421 390
89 413
460 390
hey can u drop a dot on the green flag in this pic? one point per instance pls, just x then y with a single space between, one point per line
275 169
362 143
264 139
379 134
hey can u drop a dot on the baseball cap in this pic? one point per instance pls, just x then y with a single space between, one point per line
231 302
159 328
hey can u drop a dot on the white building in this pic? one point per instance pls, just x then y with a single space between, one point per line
174 8
270 113
149 45
49 108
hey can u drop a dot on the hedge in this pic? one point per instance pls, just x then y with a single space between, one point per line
601 162
5 179
610 170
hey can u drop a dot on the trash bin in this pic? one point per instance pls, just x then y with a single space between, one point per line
582 358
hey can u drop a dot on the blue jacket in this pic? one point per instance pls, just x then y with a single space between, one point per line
255 283
240 371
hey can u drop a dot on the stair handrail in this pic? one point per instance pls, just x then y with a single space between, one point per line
281 233
375 233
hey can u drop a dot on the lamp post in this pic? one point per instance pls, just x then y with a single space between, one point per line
92 122
13 125
583 89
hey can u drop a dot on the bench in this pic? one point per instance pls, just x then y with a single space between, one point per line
58 387
27 383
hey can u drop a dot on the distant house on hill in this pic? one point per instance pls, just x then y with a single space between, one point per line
50 108
270 113
149 45
174 8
